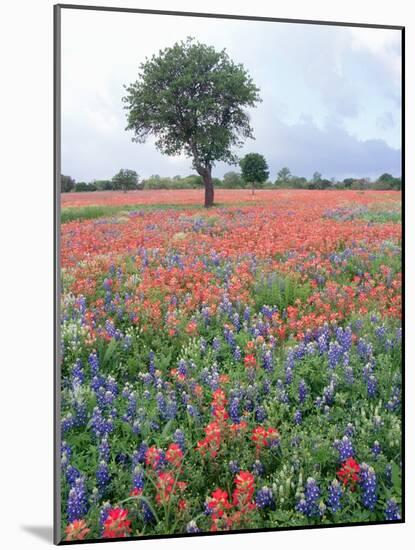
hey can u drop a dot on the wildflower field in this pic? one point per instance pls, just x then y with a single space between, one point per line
231 368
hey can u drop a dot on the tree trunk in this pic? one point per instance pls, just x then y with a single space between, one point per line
253 189
209 190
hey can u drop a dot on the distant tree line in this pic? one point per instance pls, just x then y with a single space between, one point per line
254 174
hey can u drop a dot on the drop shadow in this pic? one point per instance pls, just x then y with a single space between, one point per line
42 532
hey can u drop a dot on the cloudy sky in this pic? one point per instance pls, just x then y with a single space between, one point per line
331 95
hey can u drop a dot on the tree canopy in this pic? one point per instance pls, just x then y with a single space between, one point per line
125 179
254 169
67 184
192 98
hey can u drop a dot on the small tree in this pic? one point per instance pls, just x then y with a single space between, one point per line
232 180
283 177
254 169
386 178
125 179
192 99
67 184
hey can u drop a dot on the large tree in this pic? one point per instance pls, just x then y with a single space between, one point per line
254 169
192 98
125 179
67 184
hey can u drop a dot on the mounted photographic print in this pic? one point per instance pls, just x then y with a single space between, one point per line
228 275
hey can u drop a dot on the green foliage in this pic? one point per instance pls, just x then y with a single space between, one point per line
125 180
254 169
283 177
280 290
233 180
192 99
104 185
157 182
67 184
82 186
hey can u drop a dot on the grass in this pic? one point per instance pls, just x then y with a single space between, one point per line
382 216
281 291
78 213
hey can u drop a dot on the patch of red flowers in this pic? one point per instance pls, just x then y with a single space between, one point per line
174 455
77 530
153 457
116 524
244 491
349 473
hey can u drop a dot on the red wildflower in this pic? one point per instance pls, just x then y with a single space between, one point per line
349 473
174 455
77 530
250 361
165 486
116 524
153 457
244 491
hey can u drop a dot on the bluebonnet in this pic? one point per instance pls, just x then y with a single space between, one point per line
392 511
322 344
171 408
234 410
66 449
138 478
202 345
258 468
394 400
179 438
288 375
216 344
181 368
334 495
102 475
67 422
139 455
77 504
122 458
233 467
148 516
349 430
267 361
192 527
376 449
103 513
372 385
302 391
266 388
344 337
308 505
264 498
290 360
110 328
72 474
348 375
344 447
94 364
328 392
237 355
104 450
161 404
335 354
380 332
364 349
369 486
298 417
236 322
260 414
